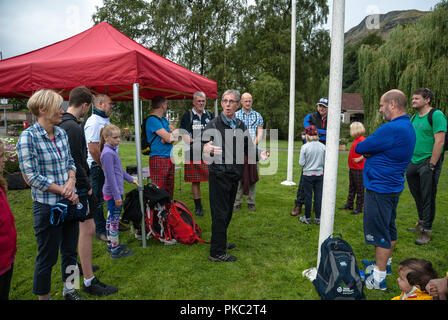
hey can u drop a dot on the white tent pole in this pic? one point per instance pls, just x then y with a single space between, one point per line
333 123
139 158
292 88
216 107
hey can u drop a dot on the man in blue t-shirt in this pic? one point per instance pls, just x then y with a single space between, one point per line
388 152
161 168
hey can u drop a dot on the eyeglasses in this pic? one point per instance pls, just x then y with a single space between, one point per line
229 101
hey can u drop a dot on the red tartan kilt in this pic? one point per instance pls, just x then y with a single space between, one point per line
162 173
195 172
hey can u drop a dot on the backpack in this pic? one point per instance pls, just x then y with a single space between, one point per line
156 224
445 145
145 145
338 276
183 227
171 223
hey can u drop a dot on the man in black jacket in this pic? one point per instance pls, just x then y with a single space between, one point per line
226 141
80 100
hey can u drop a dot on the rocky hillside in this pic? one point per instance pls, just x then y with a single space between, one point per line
388 22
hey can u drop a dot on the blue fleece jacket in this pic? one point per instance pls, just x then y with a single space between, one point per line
389 151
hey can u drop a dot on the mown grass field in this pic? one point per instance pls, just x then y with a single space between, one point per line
273 248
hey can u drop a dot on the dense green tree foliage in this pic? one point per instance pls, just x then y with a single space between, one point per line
247 48
415 56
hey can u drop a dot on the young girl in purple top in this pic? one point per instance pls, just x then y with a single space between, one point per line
113 188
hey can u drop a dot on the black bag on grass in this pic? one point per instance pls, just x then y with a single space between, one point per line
338 275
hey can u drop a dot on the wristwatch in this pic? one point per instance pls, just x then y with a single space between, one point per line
432 166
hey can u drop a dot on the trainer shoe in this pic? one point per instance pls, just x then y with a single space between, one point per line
305 220
371 283
316 221
296 211
73 295
251 207
98 288
122 246
121 253
222 258
230 246
237 207
370 264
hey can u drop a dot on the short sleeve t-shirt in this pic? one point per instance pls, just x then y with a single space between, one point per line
158 148
425 134
92 129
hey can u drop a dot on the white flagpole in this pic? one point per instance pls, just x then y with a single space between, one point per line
333 124
333 130
292 87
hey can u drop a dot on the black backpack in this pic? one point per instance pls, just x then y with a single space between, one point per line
145 145
445 146
338 275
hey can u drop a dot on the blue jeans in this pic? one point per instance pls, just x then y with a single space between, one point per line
50 240
97 181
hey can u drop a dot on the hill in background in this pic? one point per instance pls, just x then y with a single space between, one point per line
388 22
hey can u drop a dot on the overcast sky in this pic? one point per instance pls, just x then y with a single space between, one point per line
26 25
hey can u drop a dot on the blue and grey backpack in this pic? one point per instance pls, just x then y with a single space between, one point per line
338 275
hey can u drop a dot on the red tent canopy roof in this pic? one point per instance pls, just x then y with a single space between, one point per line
105 60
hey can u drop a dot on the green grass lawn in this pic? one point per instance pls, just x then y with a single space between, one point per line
273 248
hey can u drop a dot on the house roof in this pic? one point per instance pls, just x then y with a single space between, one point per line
352 102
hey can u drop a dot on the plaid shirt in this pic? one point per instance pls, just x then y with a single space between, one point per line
43 163
251 120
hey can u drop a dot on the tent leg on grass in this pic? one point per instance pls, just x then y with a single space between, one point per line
333 129
139 159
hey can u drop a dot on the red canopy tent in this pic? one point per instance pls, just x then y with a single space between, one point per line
106 61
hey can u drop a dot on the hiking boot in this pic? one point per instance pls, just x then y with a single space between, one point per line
121 246
371 283
370 264
99 289
251 207
73 295
296 211
222 258
418 227
424 238
121 253
237 207
230 246
199 211
305 220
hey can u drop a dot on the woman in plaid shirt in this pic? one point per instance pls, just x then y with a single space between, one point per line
47 164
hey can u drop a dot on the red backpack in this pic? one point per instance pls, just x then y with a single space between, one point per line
172 223
183 227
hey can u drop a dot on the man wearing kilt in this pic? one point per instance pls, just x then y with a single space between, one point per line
193 123
161 168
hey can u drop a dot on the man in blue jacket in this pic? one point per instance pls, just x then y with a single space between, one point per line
388 152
